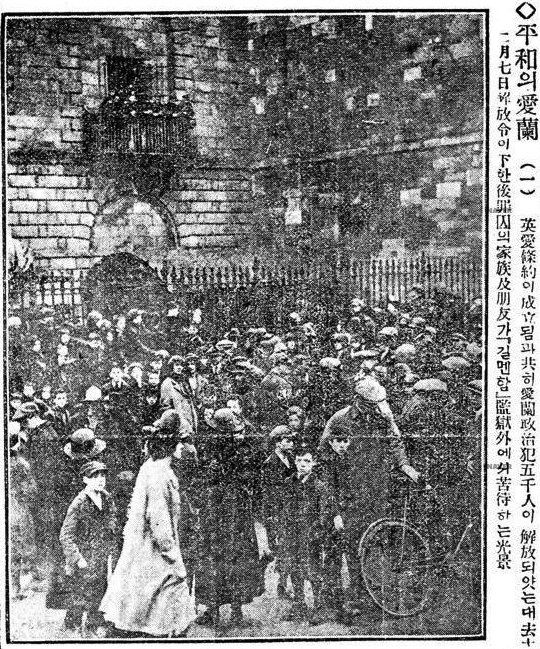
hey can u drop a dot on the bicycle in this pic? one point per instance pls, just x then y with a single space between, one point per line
397 566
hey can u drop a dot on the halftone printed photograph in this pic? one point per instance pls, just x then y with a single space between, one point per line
245 264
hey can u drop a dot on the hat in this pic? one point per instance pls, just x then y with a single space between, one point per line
125 476
25 410
83 443
456 363
89 469
342 337
280 432
430 385
295 410
404 353
457 336
370 389
225 344
388 331
364 353
135 364
14 321
418 321
474 352
329 363
475 386
225 421
176 359
92 394
169 424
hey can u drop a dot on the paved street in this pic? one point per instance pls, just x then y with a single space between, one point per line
451 612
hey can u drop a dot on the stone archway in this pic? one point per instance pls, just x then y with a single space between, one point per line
137 225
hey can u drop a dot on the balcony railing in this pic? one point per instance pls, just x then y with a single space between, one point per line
129 126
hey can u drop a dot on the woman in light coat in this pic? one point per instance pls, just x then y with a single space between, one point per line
147 594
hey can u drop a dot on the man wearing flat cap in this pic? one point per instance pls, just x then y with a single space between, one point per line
231 562
44 459
376 448
176 393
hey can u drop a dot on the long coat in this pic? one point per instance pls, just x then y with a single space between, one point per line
22 492
229 566
179 396
88 532
147 592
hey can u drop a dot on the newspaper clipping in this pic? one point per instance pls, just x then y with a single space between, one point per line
269 323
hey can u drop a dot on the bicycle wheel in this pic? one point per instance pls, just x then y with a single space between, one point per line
396 567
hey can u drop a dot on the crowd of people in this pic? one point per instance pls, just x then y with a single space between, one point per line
155 471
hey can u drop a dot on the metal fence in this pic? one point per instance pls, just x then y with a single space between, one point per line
256 291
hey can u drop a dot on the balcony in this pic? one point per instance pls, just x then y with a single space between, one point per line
134 128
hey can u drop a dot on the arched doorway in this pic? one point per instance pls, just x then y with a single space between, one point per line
140 226
121 282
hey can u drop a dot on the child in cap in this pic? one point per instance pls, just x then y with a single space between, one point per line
88 539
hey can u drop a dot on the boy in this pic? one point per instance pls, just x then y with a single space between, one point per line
276 470
307 520
89 543
335 471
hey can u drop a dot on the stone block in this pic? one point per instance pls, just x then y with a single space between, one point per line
436 204
445 162
42 193
412 74
449 190
474 176
57 181
23 206
410 196
457 176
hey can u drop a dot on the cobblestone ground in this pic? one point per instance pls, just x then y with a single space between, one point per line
451 613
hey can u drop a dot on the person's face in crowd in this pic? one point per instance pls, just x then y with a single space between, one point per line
304 464
177 368
153 378
285 444
283 395
157 365
60 399
137 374
109 337
115 374
62 358
338 345
16 403
295 422
36 347
46 392
65 338
96 482
95 343
208 413
28 390
137 320
192 368
235 406
340 445
151 399
121 324
291 345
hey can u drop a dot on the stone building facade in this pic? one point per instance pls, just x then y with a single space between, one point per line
353 129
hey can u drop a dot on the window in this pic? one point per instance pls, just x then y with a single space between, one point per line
121 74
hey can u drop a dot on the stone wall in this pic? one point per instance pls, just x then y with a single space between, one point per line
56 72
376 122
364 127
